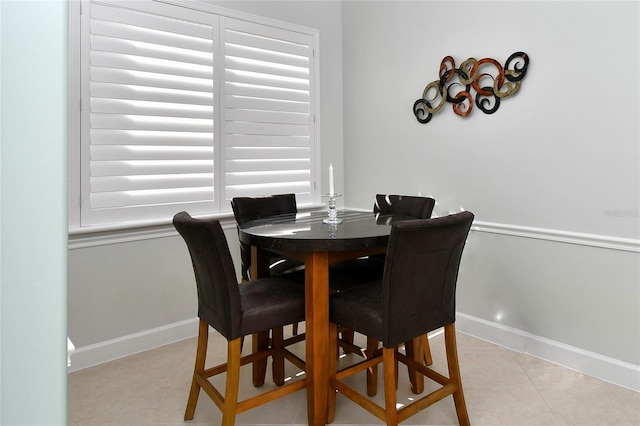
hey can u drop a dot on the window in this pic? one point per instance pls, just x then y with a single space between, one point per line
183 109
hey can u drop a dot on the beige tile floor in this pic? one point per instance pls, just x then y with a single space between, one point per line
501 387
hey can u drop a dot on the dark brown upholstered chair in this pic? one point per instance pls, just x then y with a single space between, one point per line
246 209
355 272
416 295
235 311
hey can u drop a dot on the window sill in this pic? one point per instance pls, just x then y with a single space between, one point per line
124 233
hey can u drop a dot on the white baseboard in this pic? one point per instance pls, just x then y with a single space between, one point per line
88 356
592 364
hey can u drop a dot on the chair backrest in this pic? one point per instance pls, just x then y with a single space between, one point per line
420 275
418 207
252 208
218 293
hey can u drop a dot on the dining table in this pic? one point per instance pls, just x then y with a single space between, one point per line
305 237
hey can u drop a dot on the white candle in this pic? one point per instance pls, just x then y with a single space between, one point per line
330 179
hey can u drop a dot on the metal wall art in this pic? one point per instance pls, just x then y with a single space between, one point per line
490 81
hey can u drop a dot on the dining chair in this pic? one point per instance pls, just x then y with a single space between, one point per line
416 295
235 311
367 269
246 209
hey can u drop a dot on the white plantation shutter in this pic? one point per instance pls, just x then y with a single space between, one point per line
151 112
183 109
268 110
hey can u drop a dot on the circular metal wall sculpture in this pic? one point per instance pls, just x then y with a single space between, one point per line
455 85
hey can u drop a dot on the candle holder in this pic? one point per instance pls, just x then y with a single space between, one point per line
332 230
332 213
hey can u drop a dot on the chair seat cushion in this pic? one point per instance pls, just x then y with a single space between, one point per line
359 308
269 303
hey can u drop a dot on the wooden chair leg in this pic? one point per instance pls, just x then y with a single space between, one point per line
333 366
372 372
278 357
294 329
454 373
233 380
347 335
397 369
414 350
389 367
428 360
201 356
259 343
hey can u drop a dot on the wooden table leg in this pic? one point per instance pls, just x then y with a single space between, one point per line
259 341
317 336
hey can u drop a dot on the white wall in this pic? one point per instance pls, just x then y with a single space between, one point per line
33 239
135 294
552 176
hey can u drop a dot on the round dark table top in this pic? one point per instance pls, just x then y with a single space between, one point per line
305 232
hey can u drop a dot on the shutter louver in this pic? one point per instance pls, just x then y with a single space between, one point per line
151 113
267 111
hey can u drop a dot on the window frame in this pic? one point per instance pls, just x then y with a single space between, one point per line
154 228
